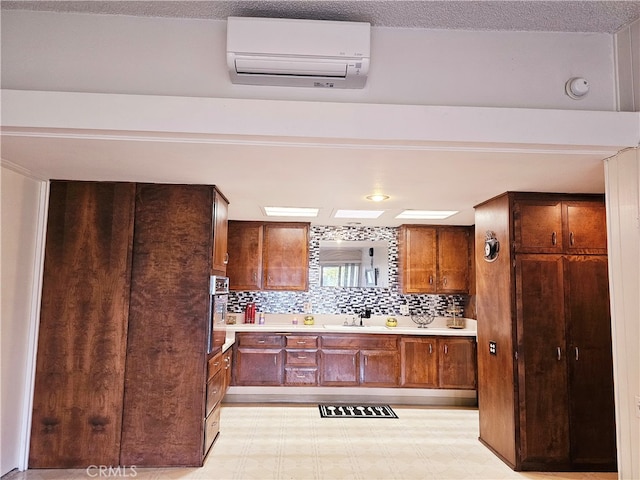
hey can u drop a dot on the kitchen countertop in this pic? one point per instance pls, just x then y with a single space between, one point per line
335 324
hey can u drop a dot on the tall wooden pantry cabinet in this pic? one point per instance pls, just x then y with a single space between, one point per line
122 357
545 373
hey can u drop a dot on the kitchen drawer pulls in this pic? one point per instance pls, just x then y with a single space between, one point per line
559 353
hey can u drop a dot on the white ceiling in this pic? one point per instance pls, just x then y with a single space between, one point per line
325 174
556 15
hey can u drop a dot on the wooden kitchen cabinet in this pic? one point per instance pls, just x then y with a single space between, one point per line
438 362
554 224
227 358
220 255
125 293
258 359
419 362
245 255
553 408
268 256
165 378
456 363
286 256
435 259
79 380
366 360
301 360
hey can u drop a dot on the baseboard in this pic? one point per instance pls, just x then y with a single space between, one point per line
395 396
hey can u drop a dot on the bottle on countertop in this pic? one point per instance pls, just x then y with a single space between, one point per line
261 318
250 313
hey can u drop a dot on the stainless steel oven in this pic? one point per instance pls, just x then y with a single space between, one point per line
217 331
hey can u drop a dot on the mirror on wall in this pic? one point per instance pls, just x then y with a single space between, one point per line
354 263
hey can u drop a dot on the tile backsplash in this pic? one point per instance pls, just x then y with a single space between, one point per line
340 300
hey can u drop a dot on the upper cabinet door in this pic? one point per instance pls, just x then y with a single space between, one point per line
245 256
286 256
220 255
418 259
586 227
453 260
538 226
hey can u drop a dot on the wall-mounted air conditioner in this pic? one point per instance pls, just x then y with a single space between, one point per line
298 53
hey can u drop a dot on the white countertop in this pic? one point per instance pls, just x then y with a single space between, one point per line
276 323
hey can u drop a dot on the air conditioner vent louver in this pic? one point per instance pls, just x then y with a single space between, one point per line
309 53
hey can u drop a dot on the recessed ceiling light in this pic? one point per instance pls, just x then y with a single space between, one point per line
427 214
378 197
291 212
358 213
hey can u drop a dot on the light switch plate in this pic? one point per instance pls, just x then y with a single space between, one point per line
493 348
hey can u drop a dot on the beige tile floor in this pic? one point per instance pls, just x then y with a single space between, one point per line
275 441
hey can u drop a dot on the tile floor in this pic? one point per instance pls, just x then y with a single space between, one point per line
276 441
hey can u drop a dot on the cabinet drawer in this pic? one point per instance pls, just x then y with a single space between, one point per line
211 429
214 366
259 340
215 391
302 341
300 376
372 342
301 357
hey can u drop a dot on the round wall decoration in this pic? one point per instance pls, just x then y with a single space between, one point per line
491 246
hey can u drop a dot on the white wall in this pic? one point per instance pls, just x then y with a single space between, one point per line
21 200
623 223
186 57
627 45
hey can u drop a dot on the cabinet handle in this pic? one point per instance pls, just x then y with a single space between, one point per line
571 238
444 281
260 341
554 238
301 357
302 343
559 354
226 258
275 360
430 349
300 376
366 361
446 349
577 354
430 279
255 277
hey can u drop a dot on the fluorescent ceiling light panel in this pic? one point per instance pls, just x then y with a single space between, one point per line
291 212
427 214
358 213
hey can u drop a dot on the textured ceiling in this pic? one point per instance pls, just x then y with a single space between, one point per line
539 15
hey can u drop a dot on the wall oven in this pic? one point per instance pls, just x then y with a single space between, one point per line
217 330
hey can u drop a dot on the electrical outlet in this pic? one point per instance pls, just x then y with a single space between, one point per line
404 309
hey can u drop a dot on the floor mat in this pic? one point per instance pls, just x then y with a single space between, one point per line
356 411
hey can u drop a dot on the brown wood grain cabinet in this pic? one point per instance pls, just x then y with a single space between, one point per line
546 388
79 381
456 364
220 255
366 360
245 255
438 362
268 256
122 360
258 359
166 349
435 259
301 360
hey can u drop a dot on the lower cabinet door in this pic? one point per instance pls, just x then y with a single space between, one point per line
258 366
457 363
419 362
379 368
339 367
211 429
